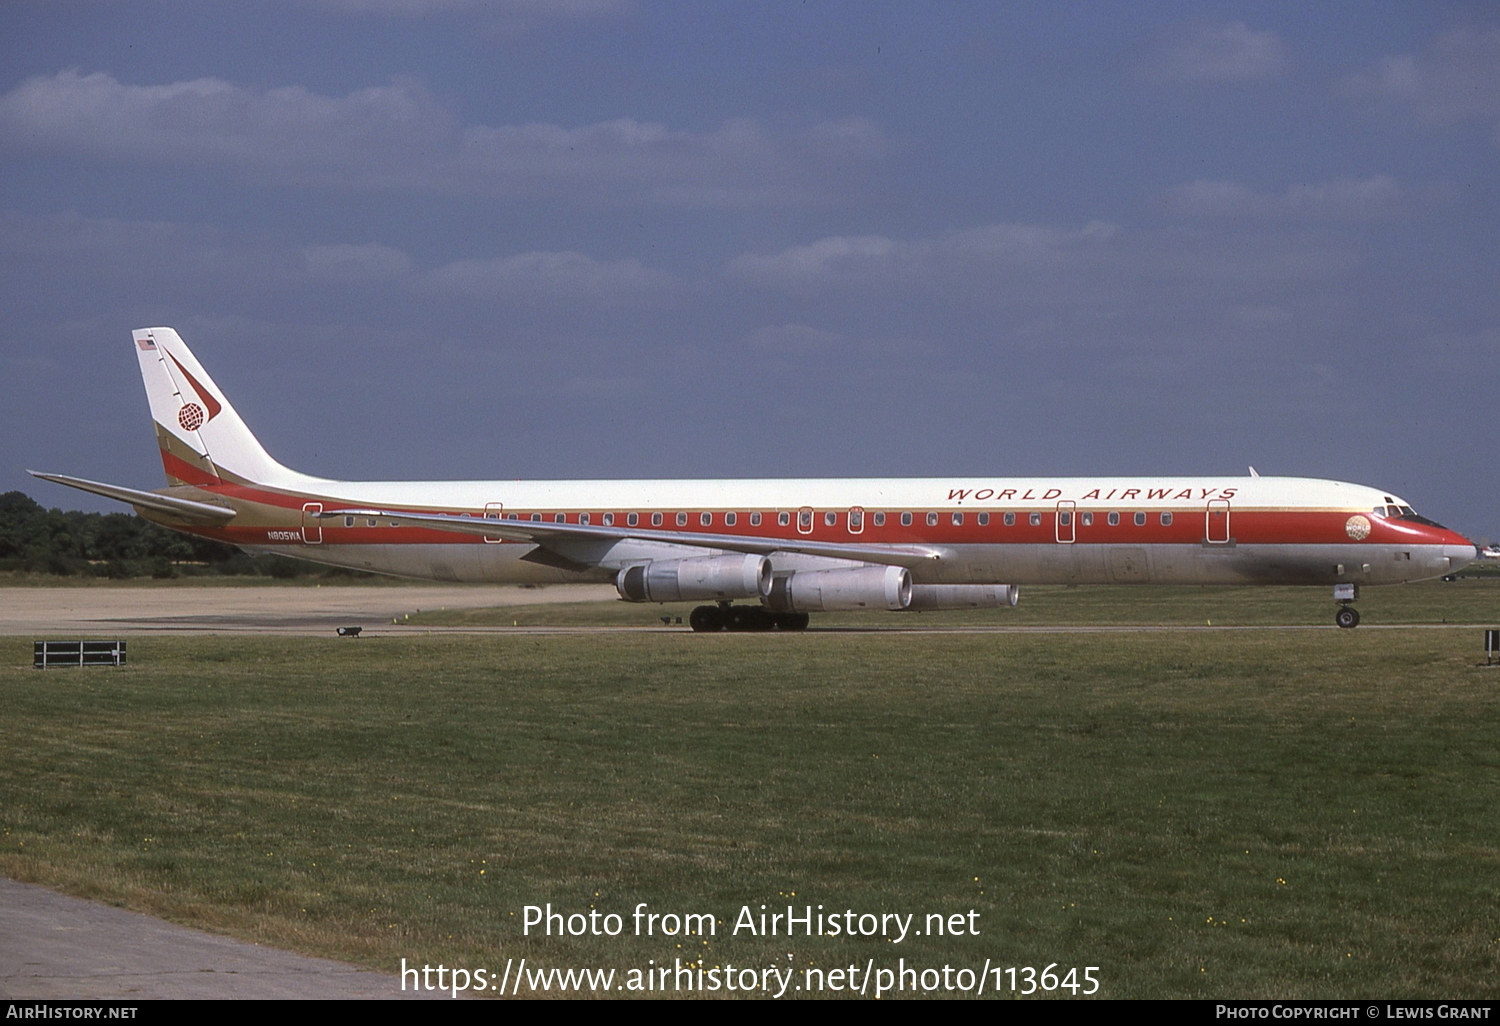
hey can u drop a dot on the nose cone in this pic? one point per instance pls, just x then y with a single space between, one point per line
1460 556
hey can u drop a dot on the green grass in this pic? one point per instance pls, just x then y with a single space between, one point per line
1475 601
1272 813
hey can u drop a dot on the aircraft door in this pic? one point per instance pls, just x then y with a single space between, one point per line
805 520
1216 521
1065 522
312 527
492 511
856 519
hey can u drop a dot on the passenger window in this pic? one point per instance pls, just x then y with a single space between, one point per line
856 520
705 519
631 519
754 519
984 520
829 519
1065 519
562 518
783 519
1114 520
682 520
958 519
1166 520
348 521
879 519
906 520
1087 519
371 521
1010 520
932 520
536 518
804 519
1140 520
583 518
609 520
730 519
656 520
1036 520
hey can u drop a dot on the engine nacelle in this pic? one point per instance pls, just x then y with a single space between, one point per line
712 578
963 596
821 591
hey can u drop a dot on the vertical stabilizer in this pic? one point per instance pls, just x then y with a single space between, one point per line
203 440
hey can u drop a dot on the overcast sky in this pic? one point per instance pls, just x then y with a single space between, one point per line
629 238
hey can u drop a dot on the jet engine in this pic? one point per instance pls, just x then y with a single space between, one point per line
712 578
821 591
963 596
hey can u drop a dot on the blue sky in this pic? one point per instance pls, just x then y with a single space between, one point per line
621 238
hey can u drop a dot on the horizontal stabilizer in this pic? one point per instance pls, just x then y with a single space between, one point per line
187 509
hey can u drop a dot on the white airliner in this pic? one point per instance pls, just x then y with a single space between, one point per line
784 548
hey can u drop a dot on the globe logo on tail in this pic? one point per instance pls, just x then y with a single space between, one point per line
190 417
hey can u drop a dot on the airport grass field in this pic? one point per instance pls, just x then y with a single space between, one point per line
1199 813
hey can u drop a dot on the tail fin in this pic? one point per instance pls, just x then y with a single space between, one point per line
203 440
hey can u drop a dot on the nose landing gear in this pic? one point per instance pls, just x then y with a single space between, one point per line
1344 595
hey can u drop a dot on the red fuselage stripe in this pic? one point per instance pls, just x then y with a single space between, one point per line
1246 527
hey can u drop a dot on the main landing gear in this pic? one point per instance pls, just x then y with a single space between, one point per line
1344 595
725 617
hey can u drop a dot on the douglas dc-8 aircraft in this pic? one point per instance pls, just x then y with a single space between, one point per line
784 548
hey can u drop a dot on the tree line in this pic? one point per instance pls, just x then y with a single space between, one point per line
68 543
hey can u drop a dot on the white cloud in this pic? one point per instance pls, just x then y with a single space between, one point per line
564 276
158 259
520 13
287 134
1008 251
1204 52
346 262
1339 199
835 256
792 339
1032 283
399 137
1456 78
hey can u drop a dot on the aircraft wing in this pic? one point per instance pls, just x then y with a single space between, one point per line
546 535
186 509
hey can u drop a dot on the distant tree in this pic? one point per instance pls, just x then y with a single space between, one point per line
34 539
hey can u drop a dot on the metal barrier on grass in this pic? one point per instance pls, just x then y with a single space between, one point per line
45 654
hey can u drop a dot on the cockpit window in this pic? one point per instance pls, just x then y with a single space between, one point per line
1412 517
1396 511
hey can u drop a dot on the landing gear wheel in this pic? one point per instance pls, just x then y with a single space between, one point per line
706 618
758 619
1347 616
